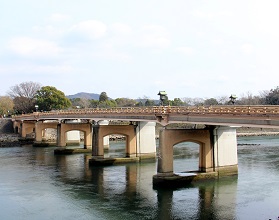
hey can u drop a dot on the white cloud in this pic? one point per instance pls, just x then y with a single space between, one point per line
31 68
211 15
48 30
108 52
58 17
247 48
90 28
154 36
121 28
264 17
32 47
185 50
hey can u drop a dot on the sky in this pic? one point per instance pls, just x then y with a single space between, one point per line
136 48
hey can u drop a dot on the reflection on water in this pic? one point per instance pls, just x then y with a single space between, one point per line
36 184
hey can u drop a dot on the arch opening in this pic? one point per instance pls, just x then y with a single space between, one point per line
75 138
115 146
186 156
49 135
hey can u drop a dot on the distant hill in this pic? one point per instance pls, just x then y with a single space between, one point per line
84 95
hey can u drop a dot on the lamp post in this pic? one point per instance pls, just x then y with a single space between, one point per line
163 96
233 98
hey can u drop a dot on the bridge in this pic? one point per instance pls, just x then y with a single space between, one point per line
217 141
250 116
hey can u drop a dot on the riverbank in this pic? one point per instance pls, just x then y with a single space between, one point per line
243 132
9 140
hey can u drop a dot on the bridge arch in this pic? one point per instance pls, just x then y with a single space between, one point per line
63 128
40 128
101 131
119 148
171 137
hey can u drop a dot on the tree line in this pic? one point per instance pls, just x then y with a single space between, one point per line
28 97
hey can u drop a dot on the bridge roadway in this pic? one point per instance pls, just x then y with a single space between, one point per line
229 115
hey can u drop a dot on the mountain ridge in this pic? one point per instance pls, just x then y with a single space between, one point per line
84 95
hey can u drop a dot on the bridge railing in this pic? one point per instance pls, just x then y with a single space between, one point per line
161 110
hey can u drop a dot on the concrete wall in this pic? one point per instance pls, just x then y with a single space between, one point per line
225 147
146 142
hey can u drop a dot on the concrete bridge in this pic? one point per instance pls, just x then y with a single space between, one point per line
217 142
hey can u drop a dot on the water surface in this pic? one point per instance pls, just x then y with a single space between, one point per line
36 184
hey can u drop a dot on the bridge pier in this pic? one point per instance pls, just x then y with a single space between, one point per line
63 128
40 127
101 131
106 138
140 142
217 154
26 128
225 150
146 142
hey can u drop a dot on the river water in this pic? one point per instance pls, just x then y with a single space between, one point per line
36 184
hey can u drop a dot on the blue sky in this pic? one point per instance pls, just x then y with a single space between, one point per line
134 48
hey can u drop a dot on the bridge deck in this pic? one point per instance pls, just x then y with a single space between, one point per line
252 116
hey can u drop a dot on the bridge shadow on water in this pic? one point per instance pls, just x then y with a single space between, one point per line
125 191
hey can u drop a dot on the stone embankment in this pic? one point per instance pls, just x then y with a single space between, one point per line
9 140
7 137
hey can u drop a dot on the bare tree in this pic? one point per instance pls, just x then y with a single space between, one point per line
187 101
25 89
249 99
23 96
223 100
198 101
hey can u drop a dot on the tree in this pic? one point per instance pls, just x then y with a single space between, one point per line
25 89
176 102
211 101
23 95
139 104
198 101
188 101
272 97
50 98
223 100
149 102
6 105
93 103
249 99
125 102
80 103
23 105
107 104
103 97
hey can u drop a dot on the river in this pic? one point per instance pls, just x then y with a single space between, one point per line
36 184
